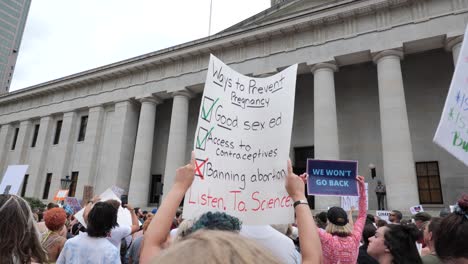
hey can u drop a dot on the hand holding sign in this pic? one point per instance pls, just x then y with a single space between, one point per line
186 174
295 184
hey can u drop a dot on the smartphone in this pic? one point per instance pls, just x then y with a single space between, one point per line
124 199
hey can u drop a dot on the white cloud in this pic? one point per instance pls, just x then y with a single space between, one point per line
66 37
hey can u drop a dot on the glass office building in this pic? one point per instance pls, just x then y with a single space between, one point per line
13 14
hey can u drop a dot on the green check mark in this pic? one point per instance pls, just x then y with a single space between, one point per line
206 114
199 144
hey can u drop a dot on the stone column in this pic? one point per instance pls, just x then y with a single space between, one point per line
398 164
123 136
177 137
90 148
39 153
64 150
23 142
141 169
454 45
326 145
6 131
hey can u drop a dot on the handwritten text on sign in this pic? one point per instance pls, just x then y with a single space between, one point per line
242 144
332 177
452 132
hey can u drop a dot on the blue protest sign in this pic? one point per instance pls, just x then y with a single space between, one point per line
332 177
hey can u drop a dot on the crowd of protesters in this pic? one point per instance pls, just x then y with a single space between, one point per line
164 237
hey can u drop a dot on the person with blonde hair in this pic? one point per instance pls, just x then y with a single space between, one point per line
212 247
341 240
19 237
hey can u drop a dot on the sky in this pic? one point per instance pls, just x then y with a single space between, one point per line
66 37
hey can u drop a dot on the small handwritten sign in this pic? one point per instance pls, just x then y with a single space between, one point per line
242 144
74 203
332 177
384 215
353 201
60 195
416 209
452 132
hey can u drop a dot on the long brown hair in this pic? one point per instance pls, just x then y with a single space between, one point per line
19 240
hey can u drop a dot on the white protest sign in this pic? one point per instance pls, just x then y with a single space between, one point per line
416 209
123 216
452 132
242 144
349 201
12 179
384 215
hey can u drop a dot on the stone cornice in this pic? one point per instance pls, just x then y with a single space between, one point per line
314 18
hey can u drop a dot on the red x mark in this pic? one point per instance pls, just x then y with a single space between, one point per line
197 168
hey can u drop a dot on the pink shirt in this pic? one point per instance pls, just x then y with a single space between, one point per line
345 249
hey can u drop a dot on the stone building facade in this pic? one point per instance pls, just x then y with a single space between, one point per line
372 80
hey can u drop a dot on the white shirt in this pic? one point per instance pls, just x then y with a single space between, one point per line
279 245
91 250
119 232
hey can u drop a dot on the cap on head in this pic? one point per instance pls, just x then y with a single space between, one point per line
337 216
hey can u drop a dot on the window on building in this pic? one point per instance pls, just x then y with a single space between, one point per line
15 137
301 154
25 184
34 139
156 189
58 129
83 125
430 191
74 182
45 194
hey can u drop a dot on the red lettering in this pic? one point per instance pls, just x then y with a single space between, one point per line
258 201
270 203
235 198
190 197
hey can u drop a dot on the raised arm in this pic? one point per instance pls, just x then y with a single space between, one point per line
359 224
161 223
311 248
135 223
350 215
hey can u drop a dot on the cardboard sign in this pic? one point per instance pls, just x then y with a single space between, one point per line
384 215
242 144
349 201
60 195
124 217
452 132
118 191
416 209
12 179
332 177
74 203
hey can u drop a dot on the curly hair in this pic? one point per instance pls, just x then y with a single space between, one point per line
101 219
401 241
217 221
450 237
55 219
19 240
